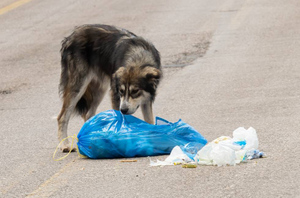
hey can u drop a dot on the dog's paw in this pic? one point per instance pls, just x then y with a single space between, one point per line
67 148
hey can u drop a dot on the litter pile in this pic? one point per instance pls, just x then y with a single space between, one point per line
111 134
221 151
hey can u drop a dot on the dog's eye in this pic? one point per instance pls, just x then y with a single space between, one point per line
122 92
134 91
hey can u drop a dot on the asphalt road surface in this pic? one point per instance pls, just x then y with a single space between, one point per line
228 64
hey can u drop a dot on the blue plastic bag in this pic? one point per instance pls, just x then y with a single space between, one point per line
111 134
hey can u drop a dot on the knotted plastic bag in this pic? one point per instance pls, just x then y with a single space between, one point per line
111 134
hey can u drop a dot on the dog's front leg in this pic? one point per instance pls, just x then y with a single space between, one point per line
147 112
115 100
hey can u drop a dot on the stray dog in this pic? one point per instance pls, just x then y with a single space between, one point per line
93 57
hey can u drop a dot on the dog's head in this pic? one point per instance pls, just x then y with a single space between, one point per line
135 86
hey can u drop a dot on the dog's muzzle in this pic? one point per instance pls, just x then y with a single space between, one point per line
124 110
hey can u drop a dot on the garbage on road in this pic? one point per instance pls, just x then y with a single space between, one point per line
177 156
111 134
222 151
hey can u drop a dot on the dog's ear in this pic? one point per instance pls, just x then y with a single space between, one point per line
119 72
115 80
152 75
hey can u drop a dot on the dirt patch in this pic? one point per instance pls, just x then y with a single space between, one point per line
5 92
11 89
188 57
190 47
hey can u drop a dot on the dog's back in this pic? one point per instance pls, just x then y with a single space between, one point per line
93 46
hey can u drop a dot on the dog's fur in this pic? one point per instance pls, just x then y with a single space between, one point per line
93 57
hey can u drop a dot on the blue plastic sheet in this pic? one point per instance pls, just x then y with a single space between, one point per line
111 134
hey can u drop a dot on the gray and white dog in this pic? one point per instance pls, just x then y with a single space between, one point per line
96 56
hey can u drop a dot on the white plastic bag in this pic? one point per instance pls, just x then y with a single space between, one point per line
228 151
249 135
221 151
176 155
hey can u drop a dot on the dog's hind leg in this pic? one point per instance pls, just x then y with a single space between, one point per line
147 112
72 94
97 90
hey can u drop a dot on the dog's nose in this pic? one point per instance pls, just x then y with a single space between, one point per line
124 110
